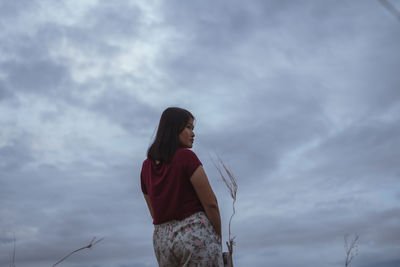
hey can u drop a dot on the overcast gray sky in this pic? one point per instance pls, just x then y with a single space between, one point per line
301 99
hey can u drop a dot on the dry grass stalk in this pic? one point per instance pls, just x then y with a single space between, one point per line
351 249
12 260
390 7
91 244
231 184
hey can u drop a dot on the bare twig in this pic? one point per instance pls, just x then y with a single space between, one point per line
12 260
350 249
390 7
91 244
231 184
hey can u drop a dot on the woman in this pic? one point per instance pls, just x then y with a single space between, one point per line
187 223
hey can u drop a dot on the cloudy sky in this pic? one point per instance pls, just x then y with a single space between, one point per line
301 100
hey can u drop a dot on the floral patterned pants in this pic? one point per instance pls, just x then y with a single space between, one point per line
189 242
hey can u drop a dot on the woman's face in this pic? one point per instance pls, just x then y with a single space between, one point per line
186 137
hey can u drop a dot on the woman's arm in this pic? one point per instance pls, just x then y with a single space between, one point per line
207 198
146 197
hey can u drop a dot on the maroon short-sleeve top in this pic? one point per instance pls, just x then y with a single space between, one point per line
168 186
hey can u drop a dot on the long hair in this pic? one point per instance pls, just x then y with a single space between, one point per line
173 120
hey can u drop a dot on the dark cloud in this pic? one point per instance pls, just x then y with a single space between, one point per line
278 121
126 110
122 20
319 228
362 152
34 76
70 206
33 63
4 92
16 154
392 263
11 9
224 37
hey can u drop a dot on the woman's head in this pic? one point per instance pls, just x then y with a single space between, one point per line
175 129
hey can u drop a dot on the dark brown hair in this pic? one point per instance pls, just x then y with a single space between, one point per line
173 120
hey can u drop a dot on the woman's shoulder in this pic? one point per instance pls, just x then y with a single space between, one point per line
185 155
185 152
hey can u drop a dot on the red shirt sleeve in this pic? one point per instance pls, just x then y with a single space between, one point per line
192 162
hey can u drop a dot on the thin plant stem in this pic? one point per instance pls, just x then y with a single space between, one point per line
12 260
390 7
91 244
232 186
350 249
